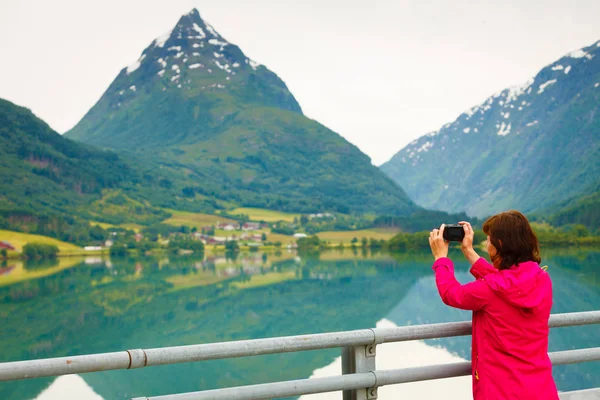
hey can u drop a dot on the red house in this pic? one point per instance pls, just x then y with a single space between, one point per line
5 245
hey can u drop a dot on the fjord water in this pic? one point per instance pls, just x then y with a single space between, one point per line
103 306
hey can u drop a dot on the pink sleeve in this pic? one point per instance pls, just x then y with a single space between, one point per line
481 268
472 296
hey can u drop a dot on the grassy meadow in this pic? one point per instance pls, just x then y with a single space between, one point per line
261 214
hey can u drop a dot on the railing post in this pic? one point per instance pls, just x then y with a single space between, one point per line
357 359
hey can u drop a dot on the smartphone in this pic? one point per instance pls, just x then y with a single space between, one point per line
454 233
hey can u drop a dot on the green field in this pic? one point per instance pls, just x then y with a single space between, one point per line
183 218
20 239
347 236
261 214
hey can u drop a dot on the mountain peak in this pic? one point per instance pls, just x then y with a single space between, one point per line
193 49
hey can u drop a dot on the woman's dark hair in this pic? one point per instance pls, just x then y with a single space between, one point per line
513 238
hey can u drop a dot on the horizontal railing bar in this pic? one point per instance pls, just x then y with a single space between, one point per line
278 389
63 366
575 356
181 354
590 394
366 380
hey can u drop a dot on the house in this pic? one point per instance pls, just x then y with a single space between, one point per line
138 237
320 215
217 240
251 226
228 226
92 248
300 235
5 245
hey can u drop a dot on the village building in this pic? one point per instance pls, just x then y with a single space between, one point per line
300 235
251 226
6 245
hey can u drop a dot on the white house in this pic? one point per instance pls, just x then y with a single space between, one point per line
300 235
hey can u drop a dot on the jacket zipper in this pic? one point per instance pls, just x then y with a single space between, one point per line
476 364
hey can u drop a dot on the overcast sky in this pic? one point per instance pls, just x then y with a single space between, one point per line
378 72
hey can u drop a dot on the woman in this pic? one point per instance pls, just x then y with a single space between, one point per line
511 302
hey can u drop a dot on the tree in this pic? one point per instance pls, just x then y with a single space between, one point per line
303 220
354 241
364 242
38 251
263 237
232 246
3 253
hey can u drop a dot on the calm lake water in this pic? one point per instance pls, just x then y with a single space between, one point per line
93 306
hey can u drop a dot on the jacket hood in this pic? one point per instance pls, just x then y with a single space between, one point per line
523 285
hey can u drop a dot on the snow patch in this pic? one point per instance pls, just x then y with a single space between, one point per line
236 65
567 69
178 55
216 42
201 34
162 62
253 64
532 123
161 72
211 29
504 129
174 78
515 91
425 147
196 45
121 92
545 85
174 48
467 130
476 130
194 66
132 88
223 67
161 40
175 67
578 54
217 55
135 65
558 68
597 84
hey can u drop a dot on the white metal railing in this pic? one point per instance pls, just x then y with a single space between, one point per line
359 379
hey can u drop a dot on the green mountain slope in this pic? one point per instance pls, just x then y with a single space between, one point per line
584 210
43 173
196 105
529 147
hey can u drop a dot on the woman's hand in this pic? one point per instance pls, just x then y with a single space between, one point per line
467 243
439 247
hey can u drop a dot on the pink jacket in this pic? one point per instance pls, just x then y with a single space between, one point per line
510 328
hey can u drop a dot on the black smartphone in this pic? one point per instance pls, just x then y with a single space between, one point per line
454 233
